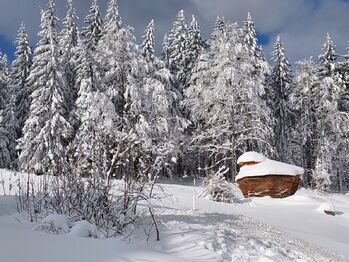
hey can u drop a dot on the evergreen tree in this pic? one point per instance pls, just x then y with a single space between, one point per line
177 50
303 100
68 41
121 74
117 59
278 100
165 55
250 38
343 70
46 131
96 135
93 31
4 90
322 128
148 43
220 25
112 19
330 127
85 84
194 44
8 135
8 121
19 73
328 54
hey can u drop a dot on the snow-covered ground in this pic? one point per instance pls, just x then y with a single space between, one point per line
260 229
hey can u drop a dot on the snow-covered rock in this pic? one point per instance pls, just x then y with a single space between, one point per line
55 224
269 167
327 208
83 229
251 157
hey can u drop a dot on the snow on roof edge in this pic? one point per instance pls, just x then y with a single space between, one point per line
269 167
251 156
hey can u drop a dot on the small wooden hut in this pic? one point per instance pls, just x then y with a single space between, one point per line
260 176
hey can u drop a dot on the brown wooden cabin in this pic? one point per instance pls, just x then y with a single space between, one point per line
278 185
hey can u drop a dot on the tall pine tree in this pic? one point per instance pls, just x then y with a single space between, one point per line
148 43
19 73
8 120
68 41
46 131
278 99
94 25
177 50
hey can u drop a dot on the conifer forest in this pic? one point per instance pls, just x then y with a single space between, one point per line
89 101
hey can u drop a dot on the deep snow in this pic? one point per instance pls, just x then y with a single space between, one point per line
259 229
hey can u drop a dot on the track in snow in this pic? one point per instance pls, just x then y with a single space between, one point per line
236 238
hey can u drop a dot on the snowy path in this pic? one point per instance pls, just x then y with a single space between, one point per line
236 238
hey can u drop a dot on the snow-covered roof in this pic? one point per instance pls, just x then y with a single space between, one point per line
269 167
251 157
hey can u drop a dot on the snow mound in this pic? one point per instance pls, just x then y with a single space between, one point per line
54 224
269 167
251 157
83 229
326 207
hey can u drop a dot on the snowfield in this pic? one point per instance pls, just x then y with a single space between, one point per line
258 229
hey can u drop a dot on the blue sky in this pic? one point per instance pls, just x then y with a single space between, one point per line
302 24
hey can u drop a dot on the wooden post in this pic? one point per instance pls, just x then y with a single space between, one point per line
194 195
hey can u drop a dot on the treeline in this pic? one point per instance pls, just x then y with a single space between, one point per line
91 101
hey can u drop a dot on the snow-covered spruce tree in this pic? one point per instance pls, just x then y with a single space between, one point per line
278 91
165 54
19 73
68 41
148 43
96 132
91 158
328 55
333 134
184 47
304 139
8 134
343 69
161 125
8 120
109 142
177 50
85 84
226 101
117 59
46 130
341 164
220 25
4 81
261 68
121 74
331 128
202 73
112 19
93 30
194 45
321 129
250 38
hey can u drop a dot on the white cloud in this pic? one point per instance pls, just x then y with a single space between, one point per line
301 23
304 37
